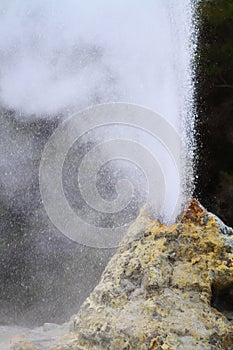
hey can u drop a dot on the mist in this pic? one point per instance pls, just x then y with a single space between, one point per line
57 58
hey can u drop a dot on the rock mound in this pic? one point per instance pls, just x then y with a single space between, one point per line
165 288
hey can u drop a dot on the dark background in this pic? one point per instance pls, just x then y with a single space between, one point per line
214 97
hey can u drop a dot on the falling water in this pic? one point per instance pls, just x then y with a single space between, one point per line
58 58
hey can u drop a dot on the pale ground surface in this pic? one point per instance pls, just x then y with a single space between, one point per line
43 337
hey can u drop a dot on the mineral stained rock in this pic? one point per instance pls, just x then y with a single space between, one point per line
165 288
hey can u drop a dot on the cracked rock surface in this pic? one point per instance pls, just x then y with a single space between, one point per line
167 287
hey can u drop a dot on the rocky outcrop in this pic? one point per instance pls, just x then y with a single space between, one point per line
165 288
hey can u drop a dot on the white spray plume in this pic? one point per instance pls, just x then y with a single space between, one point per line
60 56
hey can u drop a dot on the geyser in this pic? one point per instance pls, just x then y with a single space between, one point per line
58 58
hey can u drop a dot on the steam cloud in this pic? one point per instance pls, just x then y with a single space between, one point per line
57 57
